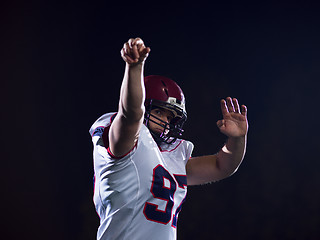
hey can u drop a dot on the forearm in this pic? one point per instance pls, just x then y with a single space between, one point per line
231 155
132 93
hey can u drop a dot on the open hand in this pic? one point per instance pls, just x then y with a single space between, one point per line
134 51
234 122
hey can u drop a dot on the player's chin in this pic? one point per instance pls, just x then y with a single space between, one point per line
158 131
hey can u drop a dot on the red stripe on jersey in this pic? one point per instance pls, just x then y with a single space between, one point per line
113 156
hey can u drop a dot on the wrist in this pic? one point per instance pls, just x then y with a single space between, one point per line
137 65
236 138
236 142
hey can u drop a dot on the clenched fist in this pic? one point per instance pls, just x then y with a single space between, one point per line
134 51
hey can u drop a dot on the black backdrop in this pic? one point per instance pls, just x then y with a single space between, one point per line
61 69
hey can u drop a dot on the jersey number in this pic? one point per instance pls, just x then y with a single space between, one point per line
163 187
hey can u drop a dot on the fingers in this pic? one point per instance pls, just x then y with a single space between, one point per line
227 106
126 53
135 44
134 51
231 105
129 52
244 110
224 108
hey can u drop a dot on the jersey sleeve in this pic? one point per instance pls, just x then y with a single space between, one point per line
99 129
102 122
189 149
99 132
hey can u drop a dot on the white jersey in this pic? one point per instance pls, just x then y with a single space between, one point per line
140 195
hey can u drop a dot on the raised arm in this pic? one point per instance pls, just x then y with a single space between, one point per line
215 167
124 130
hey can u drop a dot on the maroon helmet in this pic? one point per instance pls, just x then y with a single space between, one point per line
162 92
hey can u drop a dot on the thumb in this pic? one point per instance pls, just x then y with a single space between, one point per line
145 52
220 123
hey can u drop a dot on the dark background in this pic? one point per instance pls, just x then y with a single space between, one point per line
61 69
